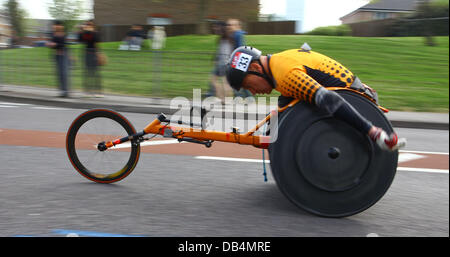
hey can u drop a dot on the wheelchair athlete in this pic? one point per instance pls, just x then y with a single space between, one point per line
303 74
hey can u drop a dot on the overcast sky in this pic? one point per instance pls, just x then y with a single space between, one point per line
37 9
317 12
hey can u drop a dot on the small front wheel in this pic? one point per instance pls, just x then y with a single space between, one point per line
83 144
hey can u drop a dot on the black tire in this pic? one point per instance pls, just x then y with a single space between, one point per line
325 166
107 166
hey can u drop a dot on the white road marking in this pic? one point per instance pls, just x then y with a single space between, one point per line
423 170
405 157
216 158
49 108
147 143
229 159
13 105
8 103
422 152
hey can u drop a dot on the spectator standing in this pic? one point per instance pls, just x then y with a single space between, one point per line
58 43
134 38
158 38
224 49
237 34
157 41
215 28
92 80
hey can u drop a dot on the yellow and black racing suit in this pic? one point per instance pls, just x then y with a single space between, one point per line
305 75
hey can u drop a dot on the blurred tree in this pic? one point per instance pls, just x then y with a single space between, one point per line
428 9
67 11
432 9
423 11
16 16
202 28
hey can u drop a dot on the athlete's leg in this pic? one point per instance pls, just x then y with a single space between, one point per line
300 85
343 110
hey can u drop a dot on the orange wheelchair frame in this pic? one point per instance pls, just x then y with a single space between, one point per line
206 137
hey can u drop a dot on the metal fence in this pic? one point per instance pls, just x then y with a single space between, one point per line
144 72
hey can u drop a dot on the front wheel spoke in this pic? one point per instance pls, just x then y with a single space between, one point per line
90 161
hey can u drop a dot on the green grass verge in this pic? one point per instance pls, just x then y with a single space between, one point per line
408 75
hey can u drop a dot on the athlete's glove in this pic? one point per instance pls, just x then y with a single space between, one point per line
387 142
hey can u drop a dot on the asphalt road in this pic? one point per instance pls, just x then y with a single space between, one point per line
180 195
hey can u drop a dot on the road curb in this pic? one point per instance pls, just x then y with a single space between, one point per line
75 103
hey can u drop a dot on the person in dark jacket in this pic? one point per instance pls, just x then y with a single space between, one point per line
59 44
92 80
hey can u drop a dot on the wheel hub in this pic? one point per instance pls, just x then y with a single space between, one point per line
333 156
102 146
334 152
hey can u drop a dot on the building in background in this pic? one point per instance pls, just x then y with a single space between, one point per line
5 31
380 10
295 11
165 12
38 27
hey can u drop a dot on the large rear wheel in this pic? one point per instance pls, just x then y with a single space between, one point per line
325 166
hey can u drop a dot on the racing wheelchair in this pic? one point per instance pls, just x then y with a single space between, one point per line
321 164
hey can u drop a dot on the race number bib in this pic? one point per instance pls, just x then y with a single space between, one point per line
241 61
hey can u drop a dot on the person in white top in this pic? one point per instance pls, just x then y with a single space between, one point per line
158 37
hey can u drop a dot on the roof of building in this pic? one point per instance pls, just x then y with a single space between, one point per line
400 5
388 6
